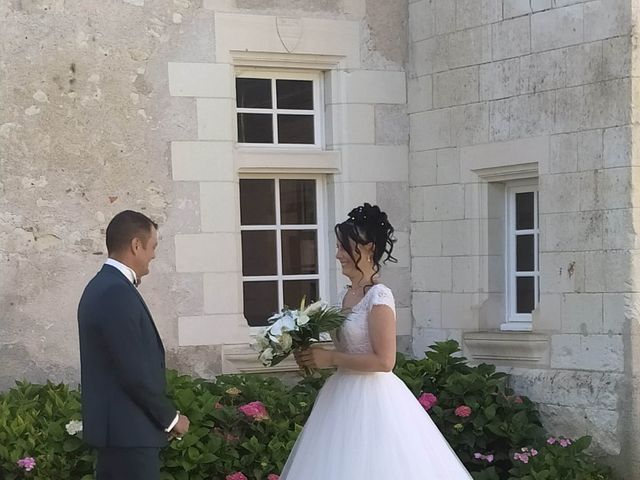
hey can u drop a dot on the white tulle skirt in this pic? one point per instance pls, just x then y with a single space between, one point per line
369 426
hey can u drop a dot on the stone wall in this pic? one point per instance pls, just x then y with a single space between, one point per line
497 85
86 127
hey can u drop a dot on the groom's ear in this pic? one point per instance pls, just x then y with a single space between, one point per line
135 245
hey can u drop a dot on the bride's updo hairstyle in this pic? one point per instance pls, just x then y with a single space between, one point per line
367 224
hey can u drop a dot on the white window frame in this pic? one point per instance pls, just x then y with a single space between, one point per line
519 321
321 221
318 103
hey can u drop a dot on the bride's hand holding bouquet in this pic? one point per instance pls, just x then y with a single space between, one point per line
295 331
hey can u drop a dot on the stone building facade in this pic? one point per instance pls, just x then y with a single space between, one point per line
512 97
500 135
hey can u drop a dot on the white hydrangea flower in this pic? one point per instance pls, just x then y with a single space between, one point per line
74 427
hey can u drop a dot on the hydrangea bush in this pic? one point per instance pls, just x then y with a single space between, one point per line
243 427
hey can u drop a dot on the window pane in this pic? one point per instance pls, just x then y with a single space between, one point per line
260 302
296 129
299 252
524 253
525 294
524 211
255 128
295 94
295 290
298 202
257 202
253 92
259 253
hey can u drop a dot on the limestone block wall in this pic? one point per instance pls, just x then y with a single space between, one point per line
131 104
503 89
84 126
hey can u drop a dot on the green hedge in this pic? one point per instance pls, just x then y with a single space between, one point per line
497 434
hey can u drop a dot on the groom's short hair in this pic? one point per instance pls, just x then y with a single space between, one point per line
126 226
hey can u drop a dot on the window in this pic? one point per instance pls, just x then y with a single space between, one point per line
282 247
523 276
282 110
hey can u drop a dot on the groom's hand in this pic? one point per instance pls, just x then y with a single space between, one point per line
181 427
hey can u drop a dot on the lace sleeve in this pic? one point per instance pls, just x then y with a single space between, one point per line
383 296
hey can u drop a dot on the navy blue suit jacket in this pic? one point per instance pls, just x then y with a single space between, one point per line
124 399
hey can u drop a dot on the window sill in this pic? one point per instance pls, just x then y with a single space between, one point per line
284 160
516 327
241 358
508 348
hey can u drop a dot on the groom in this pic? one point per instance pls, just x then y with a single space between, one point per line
126 413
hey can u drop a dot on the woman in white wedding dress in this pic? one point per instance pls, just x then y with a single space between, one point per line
366 424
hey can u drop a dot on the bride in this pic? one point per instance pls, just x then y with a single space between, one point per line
366 424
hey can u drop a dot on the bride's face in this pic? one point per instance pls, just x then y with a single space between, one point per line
345 260
349 266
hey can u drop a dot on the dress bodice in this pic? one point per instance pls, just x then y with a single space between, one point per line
353 335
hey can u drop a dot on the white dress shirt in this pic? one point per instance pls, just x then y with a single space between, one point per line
126 271
130 274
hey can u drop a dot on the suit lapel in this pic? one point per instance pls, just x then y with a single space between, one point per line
133 287
153 324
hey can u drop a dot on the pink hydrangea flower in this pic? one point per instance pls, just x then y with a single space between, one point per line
230 438
236 476
523 457
27 463
534 452
463 411
427 400
480 456
565 442
273 476
255 410
551 440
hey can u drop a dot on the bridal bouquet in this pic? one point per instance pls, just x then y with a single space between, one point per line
291 330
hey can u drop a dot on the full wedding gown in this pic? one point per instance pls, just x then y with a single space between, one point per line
369 426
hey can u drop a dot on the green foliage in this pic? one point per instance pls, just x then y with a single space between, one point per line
32 424
223 440
500 423
559 461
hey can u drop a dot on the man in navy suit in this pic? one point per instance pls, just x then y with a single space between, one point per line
126 413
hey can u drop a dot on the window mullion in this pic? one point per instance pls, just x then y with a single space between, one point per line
274 105
293 112
513 298
279 246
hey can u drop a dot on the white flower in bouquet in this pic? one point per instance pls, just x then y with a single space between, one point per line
266 356
315 307
74 427
260 343
295 329
284 323
286 342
